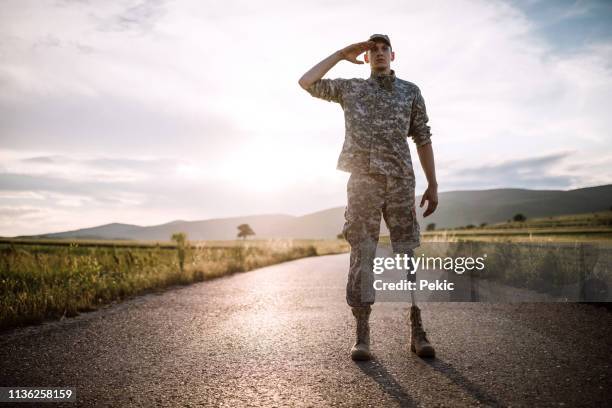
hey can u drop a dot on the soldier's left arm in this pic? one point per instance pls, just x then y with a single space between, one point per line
421 134
426 157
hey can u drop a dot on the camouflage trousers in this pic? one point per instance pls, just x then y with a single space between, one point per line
368 197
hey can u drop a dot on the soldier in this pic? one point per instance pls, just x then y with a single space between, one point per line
380 113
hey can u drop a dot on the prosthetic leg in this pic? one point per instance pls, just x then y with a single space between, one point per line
419 343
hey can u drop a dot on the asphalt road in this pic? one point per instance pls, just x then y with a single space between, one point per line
280 336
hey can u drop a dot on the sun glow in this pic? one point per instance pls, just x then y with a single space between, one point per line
269 167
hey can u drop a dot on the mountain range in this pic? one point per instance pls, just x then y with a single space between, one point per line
455 209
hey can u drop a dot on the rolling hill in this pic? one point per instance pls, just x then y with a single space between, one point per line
456 208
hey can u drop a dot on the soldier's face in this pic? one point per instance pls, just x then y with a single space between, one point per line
380 56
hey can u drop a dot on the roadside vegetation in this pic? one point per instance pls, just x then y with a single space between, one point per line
47 279
567 228
54 278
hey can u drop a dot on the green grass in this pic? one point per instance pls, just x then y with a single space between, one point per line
595 220
46 280
541 266
589 227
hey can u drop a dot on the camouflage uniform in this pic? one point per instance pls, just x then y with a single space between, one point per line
380 113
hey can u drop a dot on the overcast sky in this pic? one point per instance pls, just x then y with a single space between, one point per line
145 112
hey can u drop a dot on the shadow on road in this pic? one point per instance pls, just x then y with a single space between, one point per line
455 376
389 385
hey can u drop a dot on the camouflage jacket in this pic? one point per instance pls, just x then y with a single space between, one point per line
379 114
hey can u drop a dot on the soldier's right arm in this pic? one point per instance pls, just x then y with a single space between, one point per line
331 89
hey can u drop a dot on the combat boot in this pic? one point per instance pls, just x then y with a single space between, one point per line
361 348
419 343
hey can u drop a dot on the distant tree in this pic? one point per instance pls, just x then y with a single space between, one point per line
179 237
181 240
340 236
469 226
483 224
244 230
519 218
431 226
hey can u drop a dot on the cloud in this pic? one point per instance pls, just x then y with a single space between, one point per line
144 191
168 110
531 172
139 17
10 212
555 170
517 166
107 123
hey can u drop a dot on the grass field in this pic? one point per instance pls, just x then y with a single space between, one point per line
550 255
590 227
42 279
50 279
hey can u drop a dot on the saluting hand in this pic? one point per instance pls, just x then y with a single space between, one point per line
351 52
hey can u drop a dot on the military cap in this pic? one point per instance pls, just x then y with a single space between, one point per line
381 37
